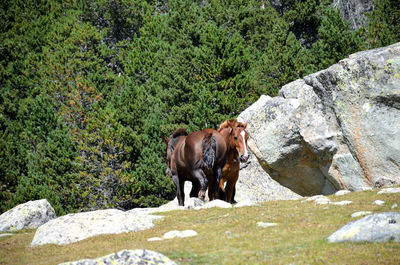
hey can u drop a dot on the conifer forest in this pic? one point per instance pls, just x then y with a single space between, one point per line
88 88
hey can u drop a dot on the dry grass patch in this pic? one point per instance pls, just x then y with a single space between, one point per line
231 236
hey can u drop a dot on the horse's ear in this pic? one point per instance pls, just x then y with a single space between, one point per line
245 125
232 123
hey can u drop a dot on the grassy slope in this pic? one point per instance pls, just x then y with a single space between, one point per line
231 236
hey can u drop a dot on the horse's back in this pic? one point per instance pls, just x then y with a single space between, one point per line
193 146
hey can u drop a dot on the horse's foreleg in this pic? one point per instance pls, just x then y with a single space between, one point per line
179 190
230 189
201 177
233 195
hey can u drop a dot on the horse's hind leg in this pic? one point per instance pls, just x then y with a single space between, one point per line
180 193
201 177
195 189
213 189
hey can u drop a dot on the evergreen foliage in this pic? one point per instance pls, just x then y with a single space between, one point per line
88 88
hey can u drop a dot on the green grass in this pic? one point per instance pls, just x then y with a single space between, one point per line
231 236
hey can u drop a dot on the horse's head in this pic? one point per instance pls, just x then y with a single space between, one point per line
237 137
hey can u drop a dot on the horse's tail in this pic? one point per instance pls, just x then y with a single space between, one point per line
209 146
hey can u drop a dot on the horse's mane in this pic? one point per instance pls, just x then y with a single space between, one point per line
233 123
179 132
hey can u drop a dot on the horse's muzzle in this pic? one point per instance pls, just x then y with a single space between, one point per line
244 158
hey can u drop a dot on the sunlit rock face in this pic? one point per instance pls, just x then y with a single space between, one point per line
335 129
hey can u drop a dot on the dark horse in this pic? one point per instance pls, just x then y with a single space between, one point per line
198 157
235 133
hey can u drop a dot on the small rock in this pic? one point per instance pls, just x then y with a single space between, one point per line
6 234
379 202
245 203
394 206
389 191
264 225
321 201
342 192
342 203
313 198
179 234
139 256
217 203
154 239
366 189
31 215
361 213
381 227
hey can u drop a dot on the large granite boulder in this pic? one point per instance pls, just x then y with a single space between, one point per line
254 184
336 129
75 227
30 215
138 256
381 227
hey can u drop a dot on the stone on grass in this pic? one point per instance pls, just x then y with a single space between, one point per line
381 227
179 234
389 191
342 192
322 200
75 227
30 215
6 234
245 203
313 198
152 239
342 203
360 213
217 203
379 202
264 224
139 256
394 206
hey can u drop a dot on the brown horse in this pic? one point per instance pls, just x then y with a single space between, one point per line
198 157
235 133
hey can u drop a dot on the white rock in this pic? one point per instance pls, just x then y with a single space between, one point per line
138 256
360 213
313 198
30 215
379 202
366 189
322 200
264 225
389 191
381 227
179 234
152 239
75 227
245 203
342 203
342 192
394 206
217 203
6 234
